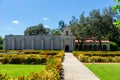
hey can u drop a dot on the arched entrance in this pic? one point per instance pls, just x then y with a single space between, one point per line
67 48
104 48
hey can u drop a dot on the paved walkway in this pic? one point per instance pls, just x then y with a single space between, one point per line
75 70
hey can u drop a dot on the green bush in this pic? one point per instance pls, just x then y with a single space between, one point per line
1 46
5 60
32 60
113 46
97 56
43 60
17 60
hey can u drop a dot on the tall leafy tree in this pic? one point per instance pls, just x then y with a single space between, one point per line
37 30
61 25
78 29
97 26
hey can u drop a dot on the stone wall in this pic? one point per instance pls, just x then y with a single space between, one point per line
20 42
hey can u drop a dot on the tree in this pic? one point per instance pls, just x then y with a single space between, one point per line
61 25
55 32
116 8
1 42
97 26
37 30
78 29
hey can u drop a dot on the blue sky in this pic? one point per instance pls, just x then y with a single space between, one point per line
17 15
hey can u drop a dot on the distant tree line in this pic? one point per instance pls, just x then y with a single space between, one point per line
40 30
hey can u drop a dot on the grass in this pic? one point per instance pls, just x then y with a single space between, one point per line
105 71
13 70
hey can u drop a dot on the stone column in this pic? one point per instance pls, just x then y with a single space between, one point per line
61 43
32 43
5 44
42 44
23 42
13 43
51 44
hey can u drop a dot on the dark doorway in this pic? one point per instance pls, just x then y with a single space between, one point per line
66 48
104 48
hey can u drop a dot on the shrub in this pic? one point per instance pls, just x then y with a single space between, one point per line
43 60
3 77
32 60
97 56
17 60
5 60
1 46
113 46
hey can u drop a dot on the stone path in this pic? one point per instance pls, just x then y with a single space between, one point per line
75 70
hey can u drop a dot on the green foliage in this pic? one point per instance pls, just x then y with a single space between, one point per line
1 40
116 9
1 46
61 25
97 56
1 43
96 26
37 30
113 46
55 32
105 71
52 59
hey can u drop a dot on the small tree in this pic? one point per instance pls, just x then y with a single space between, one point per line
116 8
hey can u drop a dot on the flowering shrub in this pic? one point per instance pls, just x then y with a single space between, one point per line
97 56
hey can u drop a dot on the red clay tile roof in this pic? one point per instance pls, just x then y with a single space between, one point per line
106 41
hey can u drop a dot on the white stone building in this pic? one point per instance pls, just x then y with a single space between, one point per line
64 42
20 42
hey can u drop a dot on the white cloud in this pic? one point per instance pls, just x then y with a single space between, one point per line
9 28
44 18
15 22
46 26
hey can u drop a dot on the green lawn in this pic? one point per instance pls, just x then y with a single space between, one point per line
105 71
13 70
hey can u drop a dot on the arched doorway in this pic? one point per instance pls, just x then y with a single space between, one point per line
104 47
67 48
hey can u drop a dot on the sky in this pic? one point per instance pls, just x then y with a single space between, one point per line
17 15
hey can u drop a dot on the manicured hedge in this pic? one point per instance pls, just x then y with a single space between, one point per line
97 56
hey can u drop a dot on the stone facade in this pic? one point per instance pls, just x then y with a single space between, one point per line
20 42
64 42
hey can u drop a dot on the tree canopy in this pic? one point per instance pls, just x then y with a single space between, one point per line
37 30
97 26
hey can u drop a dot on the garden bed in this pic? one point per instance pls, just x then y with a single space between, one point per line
97 56
51 59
